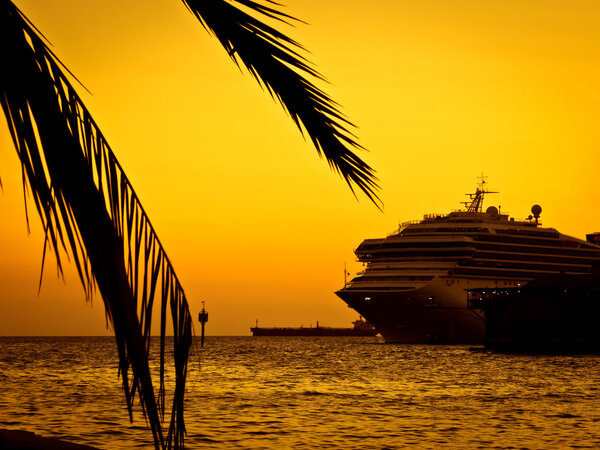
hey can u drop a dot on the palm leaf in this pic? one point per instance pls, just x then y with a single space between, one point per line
273 59
89 209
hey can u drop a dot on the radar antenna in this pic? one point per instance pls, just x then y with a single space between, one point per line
476 200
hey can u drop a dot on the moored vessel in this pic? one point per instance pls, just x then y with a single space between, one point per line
413 287
547 315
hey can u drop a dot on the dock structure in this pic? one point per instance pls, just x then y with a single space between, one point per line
552 315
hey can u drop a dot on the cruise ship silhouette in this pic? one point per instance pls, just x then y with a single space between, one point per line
413 288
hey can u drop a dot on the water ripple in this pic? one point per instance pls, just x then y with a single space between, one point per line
276 393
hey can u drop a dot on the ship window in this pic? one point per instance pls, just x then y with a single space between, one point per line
460 229
536 233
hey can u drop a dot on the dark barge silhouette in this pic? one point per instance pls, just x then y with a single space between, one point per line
546 315
360 328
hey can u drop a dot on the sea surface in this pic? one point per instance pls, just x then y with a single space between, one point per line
311 392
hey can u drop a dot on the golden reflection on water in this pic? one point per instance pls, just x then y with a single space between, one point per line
311 393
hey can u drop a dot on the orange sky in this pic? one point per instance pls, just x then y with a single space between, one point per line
255 224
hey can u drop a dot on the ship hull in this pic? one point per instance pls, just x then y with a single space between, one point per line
433 314
321 331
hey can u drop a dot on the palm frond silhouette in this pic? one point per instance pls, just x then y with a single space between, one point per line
88 207
90 211
274 60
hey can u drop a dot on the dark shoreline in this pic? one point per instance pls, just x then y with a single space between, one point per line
21 440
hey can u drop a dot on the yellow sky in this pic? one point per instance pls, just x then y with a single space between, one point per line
255 224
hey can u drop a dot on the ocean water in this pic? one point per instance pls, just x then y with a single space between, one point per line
312 392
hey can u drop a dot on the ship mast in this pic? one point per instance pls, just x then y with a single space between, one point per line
476 200
346 273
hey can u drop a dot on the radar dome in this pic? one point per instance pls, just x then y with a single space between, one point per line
492 210
536 210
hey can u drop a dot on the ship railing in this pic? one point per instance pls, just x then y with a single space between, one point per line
409 222
431 216
404 225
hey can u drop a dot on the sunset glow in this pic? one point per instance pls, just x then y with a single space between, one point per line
255 223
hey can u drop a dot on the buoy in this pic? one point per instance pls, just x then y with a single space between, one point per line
202 318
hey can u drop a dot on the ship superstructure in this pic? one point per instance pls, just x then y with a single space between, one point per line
413 288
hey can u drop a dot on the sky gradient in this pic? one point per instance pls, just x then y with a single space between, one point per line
254 222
